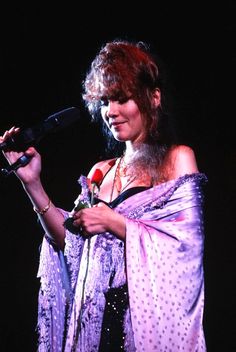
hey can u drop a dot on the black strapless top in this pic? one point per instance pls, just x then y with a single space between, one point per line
113 335
124 195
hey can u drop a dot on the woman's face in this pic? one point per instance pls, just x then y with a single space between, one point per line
123 119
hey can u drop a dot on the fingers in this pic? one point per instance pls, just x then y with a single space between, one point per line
31 151
93 220
13 129
8 133
79 218
79 224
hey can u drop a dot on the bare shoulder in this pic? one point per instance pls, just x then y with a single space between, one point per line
182 160
103 166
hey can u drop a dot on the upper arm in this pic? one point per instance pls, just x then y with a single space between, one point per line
98 165
183 161
103 166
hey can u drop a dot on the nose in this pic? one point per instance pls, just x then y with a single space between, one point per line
112 109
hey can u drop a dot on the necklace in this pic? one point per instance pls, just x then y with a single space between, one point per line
121 171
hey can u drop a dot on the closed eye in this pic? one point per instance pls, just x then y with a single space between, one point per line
121 100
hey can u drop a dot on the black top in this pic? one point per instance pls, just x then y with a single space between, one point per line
124 195
117 302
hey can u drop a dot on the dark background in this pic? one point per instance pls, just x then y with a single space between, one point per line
44 54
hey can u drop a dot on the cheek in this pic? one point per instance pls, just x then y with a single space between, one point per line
132 111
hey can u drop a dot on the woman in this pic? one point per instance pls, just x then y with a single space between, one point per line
124 269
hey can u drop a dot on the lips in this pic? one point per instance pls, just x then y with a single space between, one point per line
116 124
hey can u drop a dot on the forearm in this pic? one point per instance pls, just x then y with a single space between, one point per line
51 218
117 226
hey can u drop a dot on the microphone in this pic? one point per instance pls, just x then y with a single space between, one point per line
22 161
29 137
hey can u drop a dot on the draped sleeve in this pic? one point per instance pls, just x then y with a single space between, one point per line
164 260
57 272
161 261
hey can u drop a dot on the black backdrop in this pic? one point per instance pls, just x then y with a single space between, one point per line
44 54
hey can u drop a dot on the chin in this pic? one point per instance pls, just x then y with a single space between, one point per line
120 139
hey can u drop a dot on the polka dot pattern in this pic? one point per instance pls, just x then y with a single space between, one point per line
164 255
161 262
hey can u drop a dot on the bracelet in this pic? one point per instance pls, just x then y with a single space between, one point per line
44 210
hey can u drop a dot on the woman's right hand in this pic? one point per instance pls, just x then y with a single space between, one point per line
29 173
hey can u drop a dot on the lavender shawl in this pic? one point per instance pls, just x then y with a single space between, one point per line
161 260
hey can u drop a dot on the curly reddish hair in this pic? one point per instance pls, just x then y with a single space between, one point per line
123 70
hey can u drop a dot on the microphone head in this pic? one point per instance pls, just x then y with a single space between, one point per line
31 136
61 119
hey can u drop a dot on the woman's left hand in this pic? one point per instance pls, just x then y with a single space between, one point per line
98 219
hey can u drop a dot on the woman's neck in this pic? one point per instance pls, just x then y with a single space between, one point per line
130 150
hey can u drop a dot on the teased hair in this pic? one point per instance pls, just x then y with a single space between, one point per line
125 69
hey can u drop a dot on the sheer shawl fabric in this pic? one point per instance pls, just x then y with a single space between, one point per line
161 261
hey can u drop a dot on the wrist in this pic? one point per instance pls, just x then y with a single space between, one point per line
32 186
43 210
39 198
